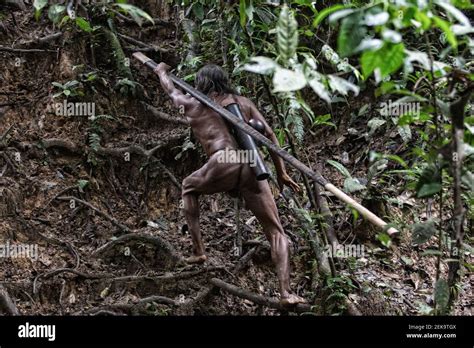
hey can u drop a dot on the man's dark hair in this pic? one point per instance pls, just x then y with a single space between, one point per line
212 78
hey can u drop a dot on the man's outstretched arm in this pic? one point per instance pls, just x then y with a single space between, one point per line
282 176
179 98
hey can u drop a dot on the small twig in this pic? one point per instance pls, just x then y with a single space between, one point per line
9 161
98 211
142 44
67 245
67 270
57 195
103 312
238 230
25 50
6 133
43 39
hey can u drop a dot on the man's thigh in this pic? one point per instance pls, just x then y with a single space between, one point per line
213 177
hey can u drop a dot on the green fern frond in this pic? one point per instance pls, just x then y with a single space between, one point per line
287 35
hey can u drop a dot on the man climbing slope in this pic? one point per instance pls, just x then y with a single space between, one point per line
214 135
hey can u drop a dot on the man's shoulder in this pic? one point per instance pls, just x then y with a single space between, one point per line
243 100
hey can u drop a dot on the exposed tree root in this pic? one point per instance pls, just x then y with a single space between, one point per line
115 152
6 303
144 237
163 116
258 299
129 308
171 277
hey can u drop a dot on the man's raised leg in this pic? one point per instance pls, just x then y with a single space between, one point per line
211 178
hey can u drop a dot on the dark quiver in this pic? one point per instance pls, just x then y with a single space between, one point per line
247 143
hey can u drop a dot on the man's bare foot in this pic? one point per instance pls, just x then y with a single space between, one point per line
291 300
196 259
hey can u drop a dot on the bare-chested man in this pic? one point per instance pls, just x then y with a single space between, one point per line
214 135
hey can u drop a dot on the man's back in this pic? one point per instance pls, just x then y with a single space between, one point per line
211 129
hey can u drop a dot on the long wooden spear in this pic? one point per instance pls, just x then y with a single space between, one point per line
283 154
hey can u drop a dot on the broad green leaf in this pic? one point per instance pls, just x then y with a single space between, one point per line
249 10
369 45
376 168
375 124
423 19
82 183
326 12
376 19
261 65
428 190
351 34
388 59
422 232
286 80
353 185
391 36
420 57
323 120
452 10
429 182
385 239
320 89
398 160
462 29
342 86
340 14
341 64
242 13
330 55
198 10
445 27
55 12
39 4
340 167
83 24
136 13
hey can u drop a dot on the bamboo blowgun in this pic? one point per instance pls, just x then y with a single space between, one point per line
244 127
